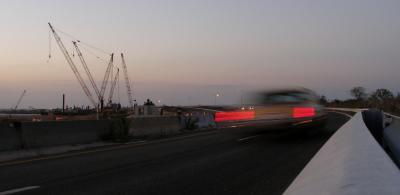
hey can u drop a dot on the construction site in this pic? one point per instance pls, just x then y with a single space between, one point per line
103 101
104 120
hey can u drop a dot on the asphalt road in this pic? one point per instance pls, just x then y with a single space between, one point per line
229 161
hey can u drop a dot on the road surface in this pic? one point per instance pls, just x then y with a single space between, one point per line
229 161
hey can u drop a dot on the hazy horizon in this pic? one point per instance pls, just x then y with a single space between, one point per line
179 49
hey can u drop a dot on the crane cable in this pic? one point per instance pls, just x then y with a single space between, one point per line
119 95
87 44
49 46
92 53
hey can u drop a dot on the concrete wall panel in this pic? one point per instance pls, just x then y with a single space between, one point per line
44 134
9 138
154 126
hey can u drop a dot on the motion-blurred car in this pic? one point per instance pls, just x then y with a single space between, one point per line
285 108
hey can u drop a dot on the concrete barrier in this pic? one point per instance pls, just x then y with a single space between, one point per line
52 133
351 162
391 115
10 138
206 120
154 126
347 109
29 135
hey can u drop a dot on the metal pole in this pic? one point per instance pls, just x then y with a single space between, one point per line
216 96
63 103
97 112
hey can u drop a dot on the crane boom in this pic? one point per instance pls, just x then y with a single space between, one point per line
127 82
113 84
20 99
84 64
106 77
72 65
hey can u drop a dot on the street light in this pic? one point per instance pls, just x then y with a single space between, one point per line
216 95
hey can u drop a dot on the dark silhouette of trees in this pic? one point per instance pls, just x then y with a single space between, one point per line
323 100
381 98
382 95
358 93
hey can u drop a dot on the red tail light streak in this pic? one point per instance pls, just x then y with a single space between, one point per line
301 112
234 116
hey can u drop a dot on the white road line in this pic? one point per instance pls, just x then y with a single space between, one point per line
136 142
348 115
13 191
247 138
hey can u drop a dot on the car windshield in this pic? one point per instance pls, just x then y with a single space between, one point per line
287 97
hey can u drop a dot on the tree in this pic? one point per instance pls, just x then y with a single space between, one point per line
382 95
323 100
382 99
358 93
337 101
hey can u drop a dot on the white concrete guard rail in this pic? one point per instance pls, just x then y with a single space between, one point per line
348 109
351 162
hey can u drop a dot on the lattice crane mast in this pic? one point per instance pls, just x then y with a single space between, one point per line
105 79
72 65
84 64
127 82
20 99
113 84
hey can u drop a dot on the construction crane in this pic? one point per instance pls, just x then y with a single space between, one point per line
113 84
72 65
83 62
105 80
20 99
127 82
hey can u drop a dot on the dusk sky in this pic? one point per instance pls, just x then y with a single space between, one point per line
184 51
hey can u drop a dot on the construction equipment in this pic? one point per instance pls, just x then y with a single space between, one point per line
127 82
20 99
72 65
92 82
113 84
105 80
